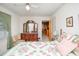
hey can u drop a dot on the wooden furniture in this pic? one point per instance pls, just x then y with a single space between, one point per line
29 36
30 31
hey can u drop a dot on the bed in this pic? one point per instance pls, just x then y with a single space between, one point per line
34 49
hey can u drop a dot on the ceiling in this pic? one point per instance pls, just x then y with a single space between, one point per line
42 9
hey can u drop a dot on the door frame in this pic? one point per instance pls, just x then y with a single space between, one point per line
50 29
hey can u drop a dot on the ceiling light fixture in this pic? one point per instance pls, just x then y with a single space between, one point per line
27 6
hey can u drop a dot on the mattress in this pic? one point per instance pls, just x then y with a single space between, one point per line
33 49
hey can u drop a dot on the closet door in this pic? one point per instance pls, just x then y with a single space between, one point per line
3 42
5 19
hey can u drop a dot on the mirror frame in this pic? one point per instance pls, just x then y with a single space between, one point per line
25 26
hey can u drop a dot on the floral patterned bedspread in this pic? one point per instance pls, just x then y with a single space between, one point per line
33 49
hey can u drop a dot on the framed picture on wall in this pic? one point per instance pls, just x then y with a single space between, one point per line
69 22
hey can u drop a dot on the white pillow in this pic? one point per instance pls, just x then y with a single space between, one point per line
68 36
74 37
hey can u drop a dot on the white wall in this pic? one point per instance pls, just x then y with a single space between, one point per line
18 21
14 21
65 11
37 19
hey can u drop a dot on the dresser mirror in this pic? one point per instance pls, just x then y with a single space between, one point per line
30 26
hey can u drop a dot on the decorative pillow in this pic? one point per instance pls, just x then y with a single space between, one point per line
76 50
69 36
64 36
65 47
76 39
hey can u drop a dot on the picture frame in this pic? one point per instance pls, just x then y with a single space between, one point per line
69 21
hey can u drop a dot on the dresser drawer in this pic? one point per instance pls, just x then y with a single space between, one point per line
34 37
23 36
29 37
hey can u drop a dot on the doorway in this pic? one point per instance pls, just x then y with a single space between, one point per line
46 30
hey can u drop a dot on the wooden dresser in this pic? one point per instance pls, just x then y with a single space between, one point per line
29 36
30 31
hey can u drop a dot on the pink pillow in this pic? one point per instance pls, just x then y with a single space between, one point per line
69 36
65 47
